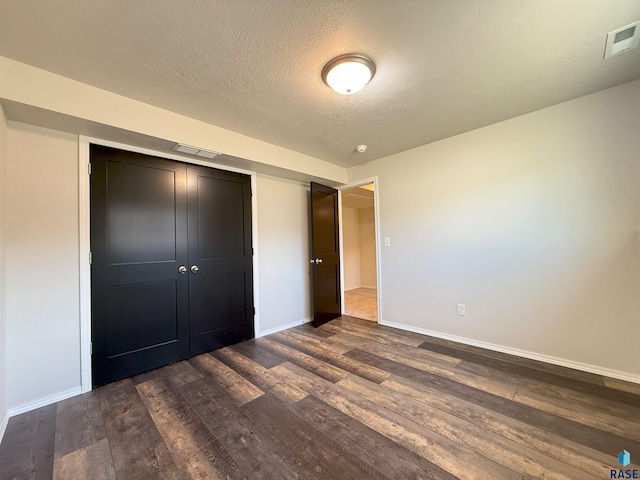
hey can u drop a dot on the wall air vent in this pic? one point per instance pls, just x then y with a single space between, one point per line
200 152
622 40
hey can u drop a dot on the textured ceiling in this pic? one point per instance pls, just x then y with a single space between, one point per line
253 66
357 198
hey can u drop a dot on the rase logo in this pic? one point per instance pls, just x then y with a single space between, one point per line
624 459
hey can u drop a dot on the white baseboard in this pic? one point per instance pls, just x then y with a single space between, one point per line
3 424
585 367
43 402
374 287
279 328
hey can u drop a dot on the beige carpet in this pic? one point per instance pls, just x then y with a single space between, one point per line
362 303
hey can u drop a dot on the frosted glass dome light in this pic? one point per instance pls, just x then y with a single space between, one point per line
348 74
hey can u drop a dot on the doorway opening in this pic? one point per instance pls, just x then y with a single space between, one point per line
359 251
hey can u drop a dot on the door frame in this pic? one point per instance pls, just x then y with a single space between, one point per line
84 238
376 216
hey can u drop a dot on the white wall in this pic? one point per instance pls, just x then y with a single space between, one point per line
368 277
351 247
3 342
532 223
358 247
43 337
82 108
283 250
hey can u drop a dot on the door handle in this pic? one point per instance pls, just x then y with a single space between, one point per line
194 269
182 270
316 261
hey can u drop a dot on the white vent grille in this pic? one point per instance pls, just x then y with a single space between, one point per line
622 40
200 152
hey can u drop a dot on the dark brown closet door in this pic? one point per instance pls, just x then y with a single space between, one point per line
220 258
139 303
172 271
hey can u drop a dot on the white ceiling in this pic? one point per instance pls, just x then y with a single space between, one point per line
358 197
253 66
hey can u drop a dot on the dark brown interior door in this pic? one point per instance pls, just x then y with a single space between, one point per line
139 299
172 271
325 253
220 258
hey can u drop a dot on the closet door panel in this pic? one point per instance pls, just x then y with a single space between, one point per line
221 288
139 300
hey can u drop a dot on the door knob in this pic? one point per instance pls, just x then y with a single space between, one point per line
182 270
194 269
316 261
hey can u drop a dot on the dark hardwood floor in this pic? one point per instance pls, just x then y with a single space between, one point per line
349 400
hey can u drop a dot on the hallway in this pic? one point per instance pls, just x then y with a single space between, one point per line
361 303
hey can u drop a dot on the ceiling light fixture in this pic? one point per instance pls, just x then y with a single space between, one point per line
348 74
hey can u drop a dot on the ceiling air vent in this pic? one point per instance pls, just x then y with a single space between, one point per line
622 39
201 152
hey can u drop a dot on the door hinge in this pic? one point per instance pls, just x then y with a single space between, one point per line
90 258
252 251
254 311
89 168
91 348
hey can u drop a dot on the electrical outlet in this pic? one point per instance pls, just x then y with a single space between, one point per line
462 309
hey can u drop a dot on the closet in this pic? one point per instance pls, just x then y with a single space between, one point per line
171 261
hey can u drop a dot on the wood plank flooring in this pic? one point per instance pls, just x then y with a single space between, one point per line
349 400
